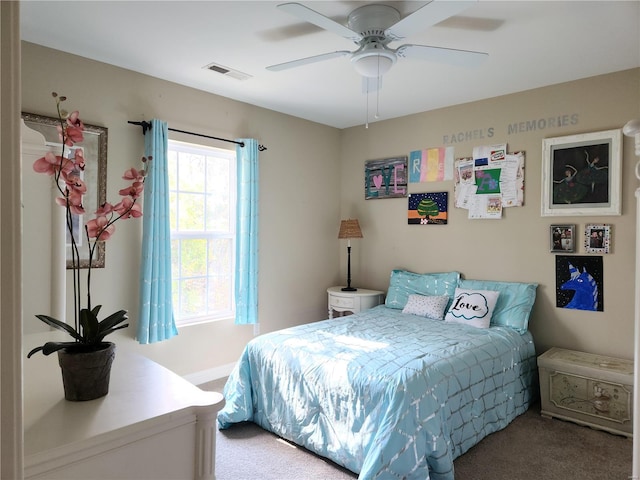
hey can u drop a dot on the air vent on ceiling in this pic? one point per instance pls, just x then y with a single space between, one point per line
216 67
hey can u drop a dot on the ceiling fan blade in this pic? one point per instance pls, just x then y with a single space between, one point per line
308 60
320 20
452 56
426 16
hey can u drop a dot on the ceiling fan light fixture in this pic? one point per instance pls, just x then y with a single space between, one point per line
373 64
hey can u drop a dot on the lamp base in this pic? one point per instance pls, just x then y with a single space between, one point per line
349 289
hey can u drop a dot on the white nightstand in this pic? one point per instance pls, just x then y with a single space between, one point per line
353 302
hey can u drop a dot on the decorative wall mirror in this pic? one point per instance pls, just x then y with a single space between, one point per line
94 175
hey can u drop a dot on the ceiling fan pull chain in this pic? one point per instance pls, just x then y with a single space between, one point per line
377 114
378 80
366 124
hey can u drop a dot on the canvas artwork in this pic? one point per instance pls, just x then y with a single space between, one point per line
385 178
428 208
431 165
579 282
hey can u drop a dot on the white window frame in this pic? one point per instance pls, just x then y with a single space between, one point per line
200 149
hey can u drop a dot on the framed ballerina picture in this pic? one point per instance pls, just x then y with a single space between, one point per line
581 174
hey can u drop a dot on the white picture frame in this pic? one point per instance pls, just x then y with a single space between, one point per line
581 174
597 238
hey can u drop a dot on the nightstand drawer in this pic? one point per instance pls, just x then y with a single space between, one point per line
342 302
354 300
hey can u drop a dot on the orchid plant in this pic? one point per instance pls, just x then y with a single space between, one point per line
65 169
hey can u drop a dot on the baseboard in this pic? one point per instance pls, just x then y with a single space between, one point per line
204 376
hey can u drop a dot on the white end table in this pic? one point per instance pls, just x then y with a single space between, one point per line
353 301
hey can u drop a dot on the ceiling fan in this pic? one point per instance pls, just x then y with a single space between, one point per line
374 26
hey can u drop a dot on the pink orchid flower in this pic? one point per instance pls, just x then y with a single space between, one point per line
73 201
74 120
70 134
74 134
132 191
122 207
78 158
100 229
104 209
134 174
48 164
134 211
76 184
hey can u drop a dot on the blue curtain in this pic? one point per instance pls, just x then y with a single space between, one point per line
246 288
155 316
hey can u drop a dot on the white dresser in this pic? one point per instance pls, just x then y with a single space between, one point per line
153 424
588 389
352 301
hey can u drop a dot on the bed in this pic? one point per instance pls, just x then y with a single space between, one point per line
390 394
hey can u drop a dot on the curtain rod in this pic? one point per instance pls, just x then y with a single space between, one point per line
147 126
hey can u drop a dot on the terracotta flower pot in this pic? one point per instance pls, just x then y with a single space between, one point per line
86 374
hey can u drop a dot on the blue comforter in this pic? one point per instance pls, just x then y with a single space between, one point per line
385 394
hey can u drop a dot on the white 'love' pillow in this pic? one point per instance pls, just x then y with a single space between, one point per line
472 307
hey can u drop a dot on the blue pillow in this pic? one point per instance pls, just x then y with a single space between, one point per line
404 283
514 302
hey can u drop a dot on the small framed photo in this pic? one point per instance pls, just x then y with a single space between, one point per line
597 238
563 238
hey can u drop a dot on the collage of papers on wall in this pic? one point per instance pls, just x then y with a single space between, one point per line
489 181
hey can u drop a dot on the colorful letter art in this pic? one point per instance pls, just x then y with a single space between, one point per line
385 178
428 208
579 282
431 165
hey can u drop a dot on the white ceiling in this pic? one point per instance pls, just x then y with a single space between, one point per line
530 44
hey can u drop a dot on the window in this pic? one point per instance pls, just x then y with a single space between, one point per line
202 186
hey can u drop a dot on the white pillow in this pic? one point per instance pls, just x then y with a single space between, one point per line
472 307
432 306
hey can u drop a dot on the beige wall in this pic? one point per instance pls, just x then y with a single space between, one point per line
302 202
515 248
299 204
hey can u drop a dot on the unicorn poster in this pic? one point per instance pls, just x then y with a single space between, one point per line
579 283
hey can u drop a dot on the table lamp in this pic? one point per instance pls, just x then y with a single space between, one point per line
349 229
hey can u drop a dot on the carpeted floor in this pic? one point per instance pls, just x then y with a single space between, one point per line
530 448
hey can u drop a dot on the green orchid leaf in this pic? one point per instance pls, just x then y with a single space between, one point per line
35 350
104 333
50 347
112 320
90 328
52 322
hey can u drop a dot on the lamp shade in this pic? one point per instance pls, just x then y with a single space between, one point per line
350 229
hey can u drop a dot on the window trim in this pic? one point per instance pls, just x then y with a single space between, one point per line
230 154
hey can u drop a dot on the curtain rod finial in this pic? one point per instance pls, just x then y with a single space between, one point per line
144 124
